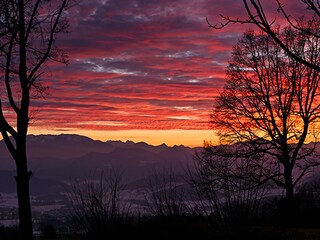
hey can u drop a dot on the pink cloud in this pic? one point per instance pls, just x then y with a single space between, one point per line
139 65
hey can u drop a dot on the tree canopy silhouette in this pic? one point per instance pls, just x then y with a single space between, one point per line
28 34
257 15
270 104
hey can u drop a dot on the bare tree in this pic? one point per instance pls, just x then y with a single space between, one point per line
257 15
270 104
230 186
96 204
165 195
28 34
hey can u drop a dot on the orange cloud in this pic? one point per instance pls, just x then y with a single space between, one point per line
138 66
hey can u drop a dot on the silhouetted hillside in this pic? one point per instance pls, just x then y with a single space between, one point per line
56 159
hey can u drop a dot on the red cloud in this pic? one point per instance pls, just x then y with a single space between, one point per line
140 65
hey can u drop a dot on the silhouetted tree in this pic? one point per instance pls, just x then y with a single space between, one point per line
269 105
165 195
258 16
96 204
230 187
28 34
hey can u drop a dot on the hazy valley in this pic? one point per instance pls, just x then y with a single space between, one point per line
58 160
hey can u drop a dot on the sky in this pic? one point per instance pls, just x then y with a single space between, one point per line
140 70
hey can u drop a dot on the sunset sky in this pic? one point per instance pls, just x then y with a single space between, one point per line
140 70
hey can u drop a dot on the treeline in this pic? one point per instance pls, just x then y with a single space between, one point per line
219 200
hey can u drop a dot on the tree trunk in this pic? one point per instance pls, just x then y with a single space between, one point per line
22 181
289 203
23 175
288 185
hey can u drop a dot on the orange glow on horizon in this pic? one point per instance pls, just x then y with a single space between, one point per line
190 138
138 72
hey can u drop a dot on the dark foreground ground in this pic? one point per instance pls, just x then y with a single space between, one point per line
195 228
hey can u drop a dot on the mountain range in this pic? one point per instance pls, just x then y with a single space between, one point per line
58 159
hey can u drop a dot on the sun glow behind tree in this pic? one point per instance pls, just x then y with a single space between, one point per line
270 103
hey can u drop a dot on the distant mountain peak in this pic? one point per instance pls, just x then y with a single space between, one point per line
76 138
163 145
61 136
